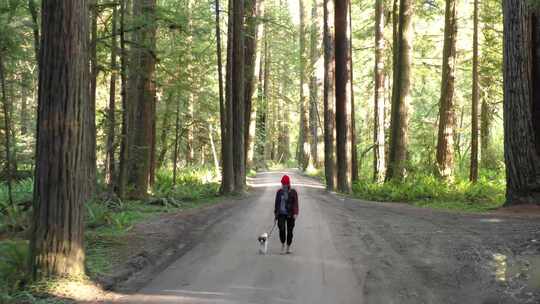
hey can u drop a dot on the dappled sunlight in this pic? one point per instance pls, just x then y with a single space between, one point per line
264 185
501 267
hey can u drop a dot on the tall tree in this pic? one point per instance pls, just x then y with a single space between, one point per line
447 121
142 99
354 139
343 97
253 9
314 82
475 127
91 140
238 79
111 111
190 106
125 138
401 97
329 97
32 8
7 130
379 161
60 187
227 115
303 155
521 101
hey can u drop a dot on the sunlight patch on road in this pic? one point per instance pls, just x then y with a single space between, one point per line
491 220
264 185
499 262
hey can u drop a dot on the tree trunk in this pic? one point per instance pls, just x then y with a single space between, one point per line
354 137
379 163
125 142
226 172
401 97
238 96
521 102
329 97
488 159
303 156
473 174
7 131
227 182
35 27
252 60
142 101
314 83
111 111
343 97
57 247
165 128
91 143
261 129
447 120
190 153
24 113
176 141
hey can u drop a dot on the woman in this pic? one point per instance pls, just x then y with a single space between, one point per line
286 212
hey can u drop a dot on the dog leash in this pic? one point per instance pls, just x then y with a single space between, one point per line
272 230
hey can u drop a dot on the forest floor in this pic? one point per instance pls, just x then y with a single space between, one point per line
345 251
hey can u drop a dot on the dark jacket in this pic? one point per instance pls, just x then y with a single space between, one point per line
292 202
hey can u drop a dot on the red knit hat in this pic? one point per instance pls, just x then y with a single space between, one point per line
285 180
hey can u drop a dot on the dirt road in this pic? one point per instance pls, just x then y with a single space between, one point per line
349 251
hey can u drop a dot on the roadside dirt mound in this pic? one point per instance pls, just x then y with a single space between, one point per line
529 210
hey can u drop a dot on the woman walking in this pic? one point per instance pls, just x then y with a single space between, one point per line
286 211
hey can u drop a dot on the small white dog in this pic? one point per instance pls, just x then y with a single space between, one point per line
263 243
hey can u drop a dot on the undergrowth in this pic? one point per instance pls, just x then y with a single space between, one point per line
429 191
107 223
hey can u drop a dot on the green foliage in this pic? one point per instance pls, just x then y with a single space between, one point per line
16 218
13 265
192 184
429 191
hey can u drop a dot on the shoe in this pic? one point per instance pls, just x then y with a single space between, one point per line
282 248
289 250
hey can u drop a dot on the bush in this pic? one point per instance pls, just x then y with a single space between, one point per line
192 184
427 190
13 265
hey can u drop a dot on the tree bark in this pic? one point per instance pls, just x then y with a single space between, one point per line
142 101
165 127
35 27
354 137
91 143
111 111
473 174
329 97
252 59
262 113
343 97
125 139
238 96
303 156
379 163
176 141
7 131
56 247
447 120
521 102
314 82
401 97
227 182
190 152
